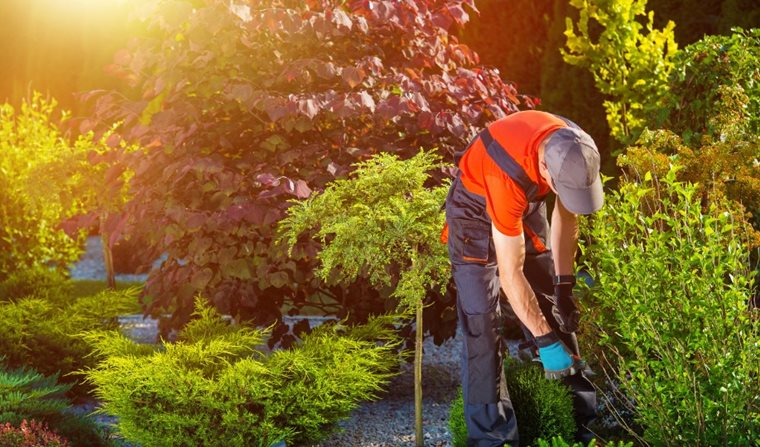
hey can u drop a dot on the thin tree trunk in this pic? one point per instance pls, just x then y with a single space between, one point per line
107 253
420 441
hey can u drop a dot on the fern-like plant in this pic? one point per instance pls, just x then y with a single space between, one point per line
26 394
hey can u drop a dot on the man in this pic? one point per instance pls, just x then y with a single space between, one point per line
498 236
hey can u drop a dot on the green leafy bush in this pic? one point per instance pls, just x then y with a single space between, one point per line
694 87
43 334
29 434
37 282
31 208
28 395
559 442
543 408
213 388
670 311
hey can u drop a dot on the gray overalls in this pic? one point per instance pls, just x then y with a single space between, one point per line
488 411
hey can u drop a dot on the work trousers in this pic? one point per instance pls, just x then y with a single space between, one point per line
489 414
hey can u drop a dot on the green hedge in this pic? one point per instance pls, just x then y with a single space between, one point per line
543 408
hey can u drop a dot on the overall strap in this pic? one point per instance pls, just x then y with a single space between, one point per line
508 164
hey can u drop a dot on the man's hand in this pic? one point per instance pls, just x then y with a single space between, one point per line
555 358
564 310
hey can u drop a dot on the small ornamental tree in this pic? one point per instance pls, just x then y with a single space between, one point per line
629 65
382 224
242 105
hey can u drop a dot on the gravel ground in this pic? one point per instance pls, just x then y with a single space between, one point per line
91 265
389 422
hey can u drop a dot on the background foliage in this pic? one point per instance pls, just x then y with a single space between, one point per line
283 98
710 76
29 238
214 388
628 65
670 280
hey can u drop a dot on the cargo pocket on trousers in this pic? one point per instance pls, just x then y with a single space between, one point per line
475 242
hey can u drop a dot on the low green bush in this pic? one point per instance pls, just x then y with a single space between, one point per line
43 334
37 282
28 395
543 408
669 311
559 442
214 388
29 434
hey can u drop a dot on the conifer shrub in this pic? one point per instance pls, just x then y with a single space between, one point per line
559 442
26 395
39 282
43 334
669 311
214 388
29 434
543 408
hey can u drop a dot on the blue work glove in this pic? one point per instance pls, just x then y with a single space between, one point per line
555 358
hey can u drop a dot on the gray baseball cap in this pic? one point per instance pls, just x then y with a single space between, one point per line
573 162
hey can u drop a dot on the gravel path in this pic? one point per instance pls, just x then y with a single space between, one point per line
389 422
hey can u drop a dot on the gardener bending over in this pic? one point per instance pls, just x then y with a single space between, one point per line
498 235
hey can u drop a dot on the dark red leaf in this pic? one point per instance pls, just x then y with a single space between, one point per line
353 76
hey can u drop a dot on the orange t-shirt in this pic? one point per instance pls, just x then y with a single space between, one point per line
520 135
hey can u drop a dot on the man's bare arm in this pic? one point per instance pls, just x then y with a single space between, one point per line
564 239
510 256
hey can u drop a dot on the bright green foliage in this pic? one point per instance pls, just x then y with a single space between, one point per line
698 85
213 388
670 311
629 65
544 408
457 426
28 395
382 223
43 334
28 236
46 179
559 442
37 282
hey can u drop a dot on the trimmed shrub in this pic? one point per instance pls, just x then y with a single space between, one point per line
543 408
37 282
213 388
559 442
28 395
669 308
43 335
29 434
